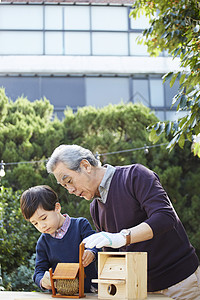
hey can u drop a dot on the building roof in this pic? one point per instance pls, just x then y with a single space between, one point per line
106 2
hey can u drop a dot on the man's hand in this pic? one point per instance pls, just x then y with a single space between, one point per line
87 258
105 239
45 281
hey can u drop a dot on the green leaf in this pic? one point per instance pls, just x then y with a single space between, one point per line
160 129
193 123
173 79
167 76
156 126
181 141
174 99
173 142
175 126
168 128
196 28
182 78
189 136
153 137
183 101
183 121
196 149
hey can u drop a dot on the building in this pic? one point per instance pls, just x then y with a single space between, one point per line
81 53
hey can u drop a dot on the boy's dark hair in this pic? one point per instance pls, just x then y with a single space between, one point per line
36 196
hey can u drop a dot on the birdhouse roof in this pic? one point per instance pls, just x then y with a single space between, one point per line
66 271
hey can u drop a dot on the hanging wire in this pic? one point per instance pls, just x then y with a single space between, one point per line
134 149
26 162
97 155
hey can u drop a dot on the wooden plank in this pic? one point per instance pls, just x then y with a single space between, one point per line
109 281
136 265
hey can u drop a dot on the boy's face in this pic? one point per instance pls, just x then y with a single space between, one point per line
47 221
82 183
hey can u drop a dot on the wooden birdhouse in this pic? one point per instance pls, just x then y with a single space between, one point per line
68 278
122 275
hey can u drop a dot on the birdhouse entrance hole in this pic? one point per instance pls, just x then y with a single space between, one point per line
112 290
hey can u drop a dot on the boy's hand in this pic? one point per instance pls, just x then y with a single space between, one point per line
45 281
87 258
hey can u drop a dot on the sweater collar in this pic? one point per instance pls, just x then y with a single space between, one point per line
59 233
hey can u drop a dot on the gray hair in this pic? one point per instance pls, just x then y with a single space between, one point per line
71 156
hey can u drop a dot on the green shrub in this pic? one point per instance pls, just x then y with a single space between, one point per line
21 278
18 237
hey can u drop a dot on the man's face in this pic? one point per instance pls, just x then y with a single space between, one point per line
80 183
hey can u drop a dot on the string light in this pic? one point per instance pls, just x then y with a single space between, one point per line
1 282
134 149
2 171
97 155
146 150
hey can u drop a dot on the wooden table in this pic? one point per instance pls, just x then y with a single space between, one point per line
41 296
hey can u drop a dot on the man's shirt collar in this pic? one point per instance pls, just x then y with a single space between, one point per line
105 183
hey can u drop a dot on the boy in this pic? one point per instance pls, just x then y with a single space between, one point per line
60 238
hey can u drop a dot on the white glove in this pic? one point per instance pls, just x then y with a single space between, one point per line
105 239
46 282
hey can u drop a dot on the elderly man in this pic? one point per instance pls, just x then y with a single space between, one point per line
131 211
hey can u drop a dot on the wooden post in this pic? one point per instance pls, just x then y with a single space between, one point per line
52 282
81 270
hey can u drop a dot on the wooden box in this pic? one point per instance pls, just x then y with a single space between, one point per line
122 275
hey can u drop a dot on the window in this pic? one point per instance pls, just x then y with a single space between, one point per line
17 86
77 43
21 17
105 43
77 91
77 18
69 30
53 17
109 18
139 23
170 92
156 92
53 43
135 48
141 91
21 43
63 91
102 91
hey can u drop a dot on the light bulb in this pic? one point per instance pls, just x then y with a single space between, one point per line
2 171
146 149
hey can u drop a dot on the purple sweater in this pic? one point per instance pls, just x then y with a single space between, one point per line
136 195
